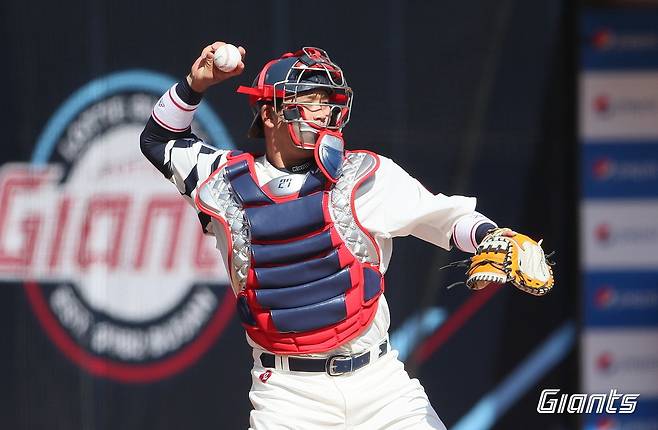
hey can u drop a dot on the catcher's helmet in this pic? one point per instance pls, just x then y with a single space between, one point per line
283 79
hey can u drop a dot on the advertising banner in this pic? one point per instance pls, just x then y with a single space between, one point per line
618 114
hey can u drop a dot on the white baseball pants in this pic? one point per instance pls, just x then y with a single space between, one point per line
378 396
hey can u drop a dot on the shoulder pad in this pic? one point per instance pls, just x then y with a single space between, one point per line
364 162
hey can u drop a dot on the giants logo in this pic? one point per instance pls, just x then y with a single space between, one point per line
113 262
551 403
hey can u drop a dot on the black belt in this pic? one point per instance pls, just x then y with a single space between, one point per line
334 366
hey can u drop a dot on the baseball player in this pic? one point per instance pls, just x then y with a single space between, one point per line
305 231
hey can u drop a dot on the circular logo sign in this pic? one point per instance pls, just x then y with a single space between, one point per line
114 261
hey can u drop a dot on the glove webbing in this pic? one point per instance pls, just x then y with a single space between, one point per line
466 264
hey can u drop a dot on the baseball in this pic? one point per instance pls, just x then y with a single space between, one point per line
227 58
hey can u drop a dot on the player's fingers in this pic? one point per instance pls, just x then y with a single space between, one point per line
198 62
508 232
211 48
238 69
216 45
206 50
242 52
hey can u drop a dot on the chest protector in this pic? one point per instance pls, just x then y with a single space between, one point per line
306 272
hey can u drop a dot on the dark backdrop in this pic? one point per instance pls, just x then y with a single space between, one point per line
471 97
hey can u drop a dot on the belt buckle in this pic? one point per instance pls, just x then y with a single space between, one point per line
330 368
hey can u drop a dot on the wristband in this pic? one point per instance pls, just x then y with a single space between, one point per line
172 112
468 231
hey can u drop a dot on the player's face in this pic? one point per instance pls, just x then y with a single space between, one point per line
314 106
315 111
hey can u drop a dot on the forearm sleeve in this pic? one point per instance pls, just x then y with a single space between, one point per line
175 109
169 144
469 230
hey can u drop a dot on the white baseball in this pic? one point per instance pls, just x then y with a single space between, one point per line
227 58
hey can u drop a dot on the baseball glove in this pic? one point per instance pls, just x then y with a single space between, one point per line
505 256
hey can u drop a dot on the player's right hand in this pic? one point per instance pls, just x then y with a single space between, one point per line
204 74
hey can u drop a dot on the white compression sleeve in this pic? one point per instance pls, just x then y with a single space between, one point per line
465 228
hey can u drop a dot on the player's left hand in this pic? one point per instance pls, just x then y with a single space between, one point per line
507 256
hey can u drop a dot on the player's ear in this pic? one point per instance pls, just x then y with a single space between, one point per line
268 116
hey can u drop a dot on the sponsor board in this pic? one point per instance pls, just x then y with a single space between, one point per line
618 129
645 417
111 257
622 170
624 359
621 299
619 234
619 39
618 106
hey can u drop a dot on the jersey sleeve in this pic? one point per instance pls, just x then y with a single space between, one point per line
392 203
169 144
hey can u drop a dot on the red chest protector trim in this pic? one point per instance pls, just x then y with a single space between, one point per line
306 272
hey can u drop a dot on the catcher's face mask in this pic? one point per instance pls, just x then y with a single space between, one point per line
310 109
309 93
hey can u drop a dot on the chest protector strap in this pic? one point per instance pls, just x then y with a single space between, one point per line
311 281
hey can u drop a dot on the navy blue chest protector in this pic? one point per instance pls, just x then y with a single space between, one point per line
309 281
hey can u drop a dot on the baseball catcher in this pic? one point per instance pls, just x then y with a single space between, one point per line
305 231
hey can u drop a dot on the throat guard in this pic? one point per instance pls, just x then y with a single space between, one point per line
305 271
